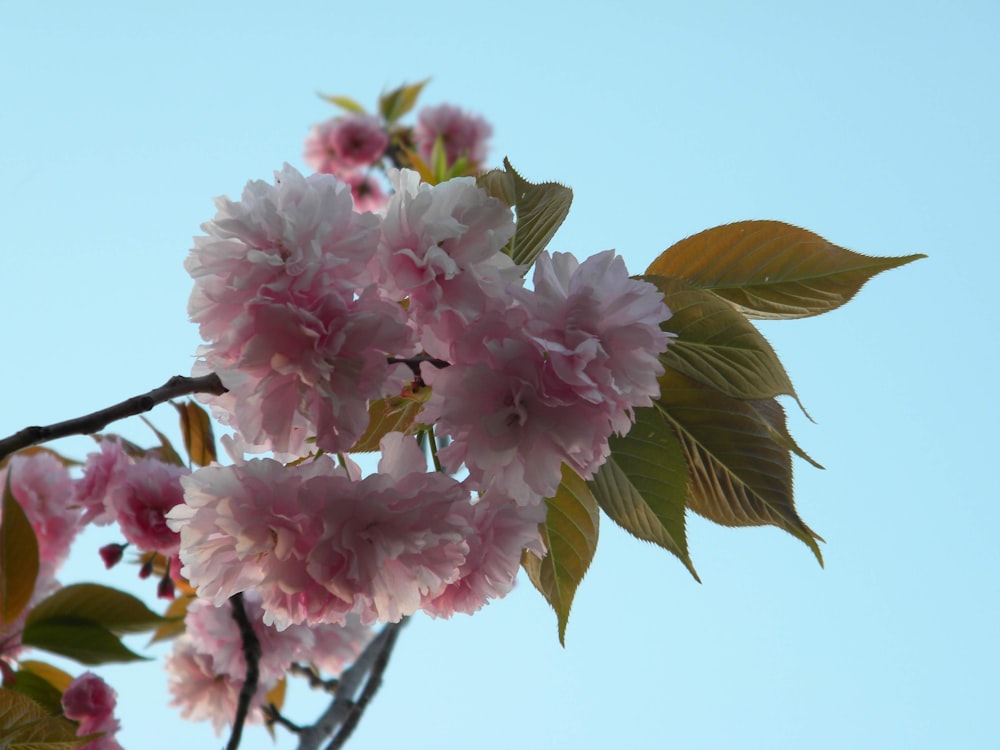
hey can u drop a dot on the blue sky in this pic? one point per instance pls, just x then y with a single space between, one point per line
871 123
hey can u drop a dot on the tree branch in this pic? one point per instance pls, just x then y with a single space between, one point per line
363 679
251 654
175 387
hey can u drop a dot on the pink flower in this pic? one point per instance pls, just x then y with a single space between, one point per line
463 133
101 472
600 331
294 334
282 235
144 493
201 692
90 701
394 540
320 545
503 531
214 631
44 489
441 250
368 194
345 143
253 525
508 429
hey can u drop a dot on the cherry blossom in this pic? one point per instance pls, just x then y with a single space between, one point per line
90 701
101 472
345 143
462 133
43 487
440 250
143 494
296 332
600 331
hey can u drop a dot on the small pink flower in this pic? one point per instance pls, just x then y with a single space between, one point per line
345 143
463 134
101 473
44 489
90 701
141 499
203 693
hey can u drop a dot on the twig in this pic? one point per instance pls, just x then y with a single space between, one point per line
364 677
251 654
175 387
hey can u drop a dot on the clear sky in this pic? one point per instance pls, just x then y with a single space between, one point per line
872 123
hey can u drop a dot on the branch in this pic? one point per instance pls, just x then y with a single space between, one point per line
365 675
91 423
251 654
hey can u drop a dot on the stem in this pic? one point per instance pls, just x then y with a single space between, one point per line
90 423
365 675
251 654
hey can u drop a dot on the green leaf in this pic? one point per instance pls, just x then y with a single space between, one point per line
770 270
395 414
18 557
540 209
717 346
110 608
196 428
772 417
643 484
38 689
739 475
399 101
570 535
344 102
52 675
83 640
26 725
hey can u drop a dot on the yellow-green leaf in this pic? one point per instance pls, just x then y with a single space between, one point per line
399 101
643 485
717 346
540 210
166 451
739 475
196 428
395 414
174 617
344 102
769 269
18 557
82 640
38 689
53 675
26 725
110 608
570 535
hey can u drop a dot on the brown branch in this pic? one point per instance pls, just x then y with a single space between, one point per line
363 679
175 387
251 654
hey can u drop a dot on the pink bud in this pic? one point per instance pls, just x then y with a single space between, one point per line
112 554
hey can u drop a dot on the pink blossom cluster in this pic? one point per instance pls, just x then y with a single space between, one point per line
311 310
323 545
207 667
356 145
90 701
